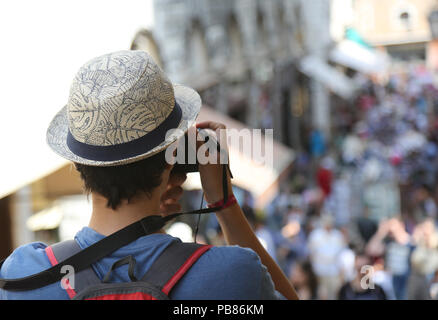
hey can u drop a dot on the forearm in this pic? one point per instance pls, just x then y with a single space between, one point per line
375 247
237 231
235 227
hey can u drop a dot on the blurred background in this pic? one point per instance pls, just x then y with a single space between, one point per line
350 88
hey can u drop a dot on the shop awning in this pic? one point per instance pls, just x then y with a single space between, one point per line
68 213
46 219
43 45
357 57
353 34
261 180
316 68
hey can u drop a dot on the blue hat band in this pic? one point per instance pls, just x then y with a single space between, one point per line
129 149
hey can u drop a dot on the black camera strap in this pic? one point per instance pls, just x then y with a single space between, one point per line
104 247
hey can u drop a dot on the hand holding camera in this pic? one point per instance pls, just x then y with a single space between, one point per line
212 173
209 159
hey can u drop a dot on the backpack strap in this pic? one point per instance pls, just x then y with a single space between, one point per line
173 264
84 278
83 259
164 273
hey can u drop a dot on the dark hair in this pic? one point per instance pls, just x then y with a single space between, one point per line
123 182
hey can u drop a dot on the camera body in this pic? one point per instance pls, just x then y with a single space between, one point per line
189 148
186 167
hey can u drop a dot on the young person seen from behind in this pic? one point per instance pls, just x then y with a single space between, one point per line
113 129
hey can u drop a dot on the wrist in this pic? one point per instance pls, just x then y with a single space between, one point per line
224 203
213 197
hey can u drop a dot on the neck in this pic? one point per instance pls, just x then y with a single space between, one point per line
106 221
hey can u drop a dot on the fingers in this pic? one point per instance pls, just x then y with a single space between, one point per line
173 193
210 125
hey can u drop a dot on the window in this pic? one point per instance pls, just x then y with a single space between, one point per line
406 19
404 16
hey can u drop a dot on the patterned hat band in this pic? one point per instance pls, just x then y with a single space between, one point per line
127 149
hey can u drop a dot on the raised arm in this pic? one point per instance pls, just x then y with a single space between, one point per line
235 226
376 245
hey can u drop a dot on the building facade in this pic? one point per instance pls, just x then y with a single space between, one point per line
242 57
399 26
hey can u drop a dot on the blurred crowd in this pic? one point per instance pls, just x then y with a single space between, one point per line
357 218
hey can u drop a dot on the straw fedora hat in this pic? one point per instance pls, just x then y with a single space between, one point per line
120 110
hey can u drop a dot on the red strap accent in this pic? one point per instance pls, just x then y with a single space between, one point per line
126 296
51 256
184 268
220 204
49 252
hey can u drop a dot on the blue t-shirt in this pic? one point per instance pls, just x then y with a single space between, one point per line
222 273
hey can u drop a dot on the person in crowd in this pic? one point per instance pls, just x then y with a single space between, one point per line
392 242
433 290
304 280
264 234
383 278
424 204
424 260
291 239
346 263
318 145
362 287
366 226
339 200
324 175
325 245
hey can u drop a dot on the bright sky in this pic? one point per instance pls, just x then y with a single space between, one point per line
43 44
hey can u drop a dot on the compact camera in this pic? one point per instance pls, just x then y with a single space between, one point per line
186 167
189 148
